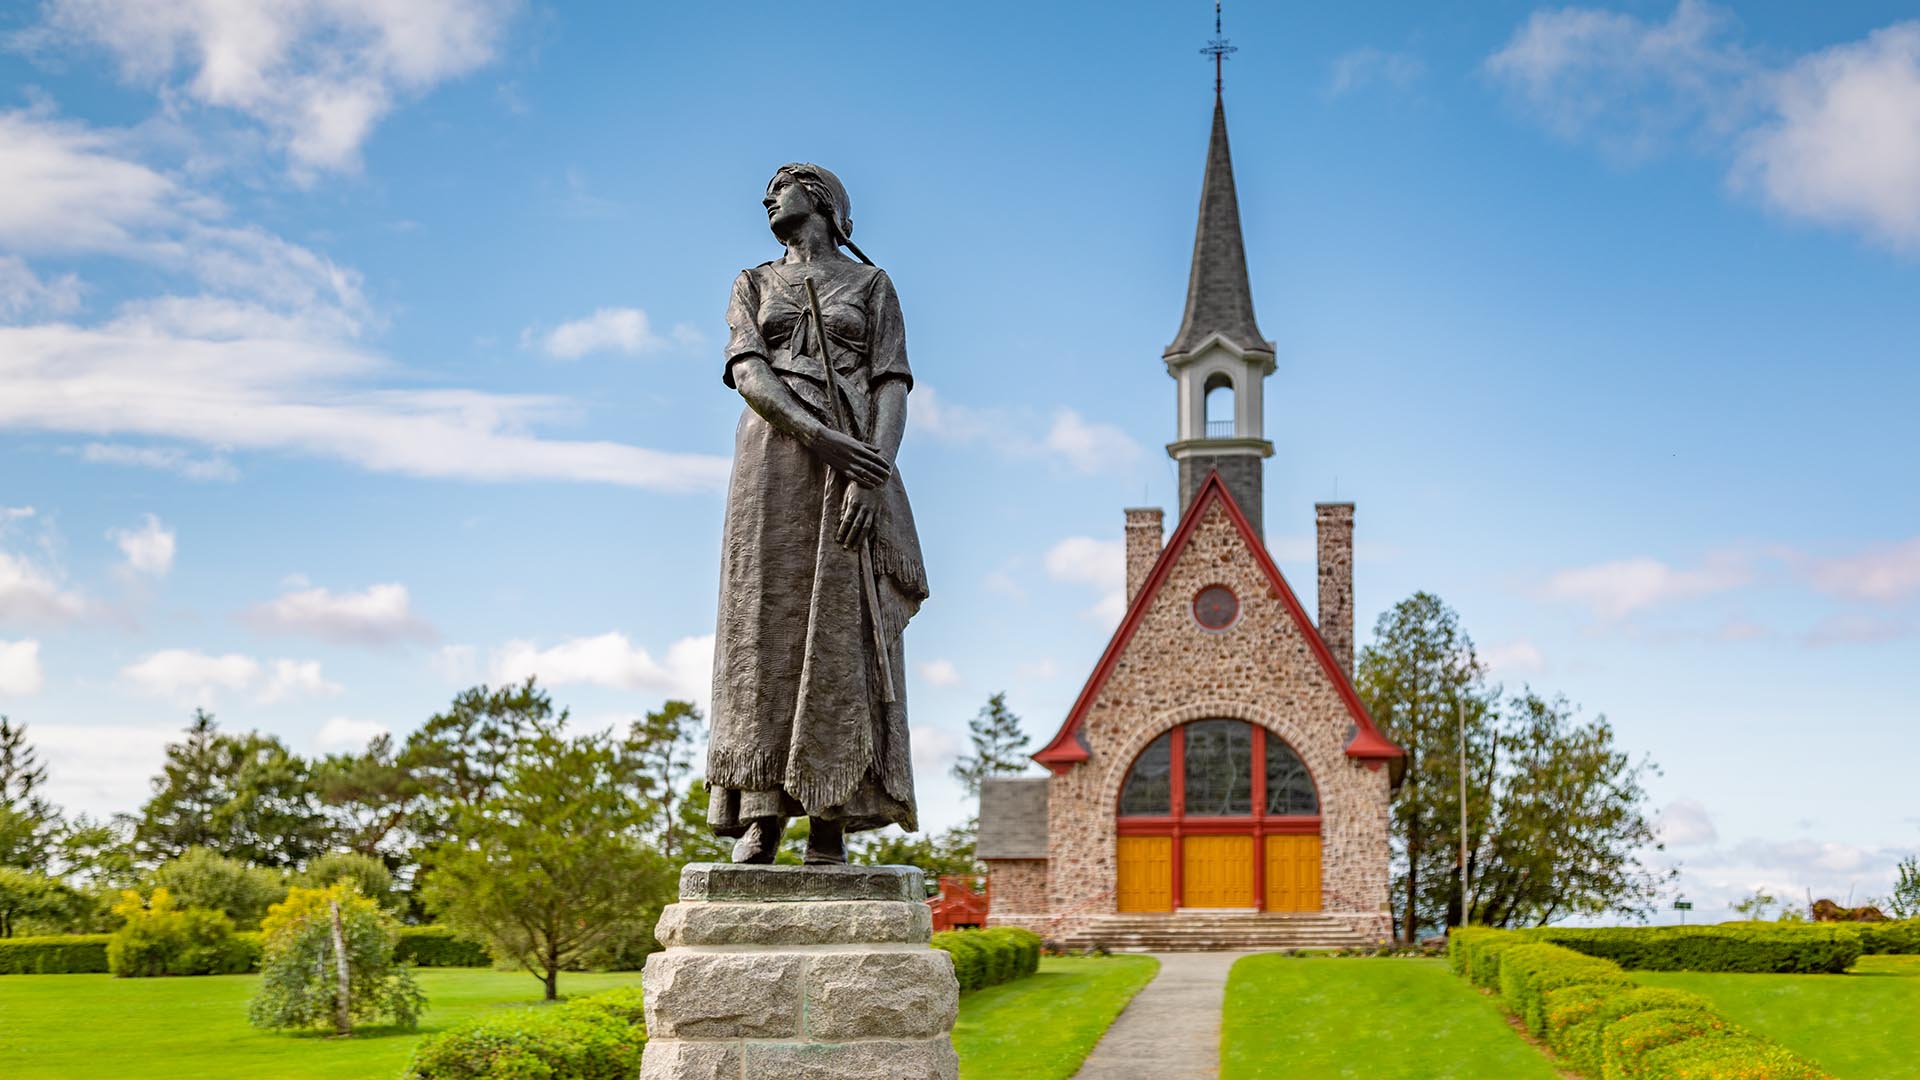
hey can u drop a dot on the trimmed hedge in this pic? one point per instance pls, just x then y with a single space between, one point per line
1763 948
1595 1017
1901 937
983 958
437 946
55 954
600 1037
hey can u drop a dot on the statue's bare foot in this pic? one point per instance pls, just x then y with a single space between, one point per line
826 843
761 841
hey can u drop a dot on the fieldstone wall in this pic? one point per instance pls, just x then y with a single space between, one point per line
802 973
1016 887
1146 531
1262 670
1334 539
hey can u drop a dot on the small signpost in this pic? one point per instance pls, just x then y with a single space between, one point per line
1683 906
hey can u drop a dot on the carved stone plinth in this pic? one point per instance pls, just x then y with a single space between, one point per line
799 973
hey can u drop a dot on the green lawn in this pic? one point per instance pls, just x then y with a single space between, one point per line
58 1027
1370 1019
1043 1027
1864 1025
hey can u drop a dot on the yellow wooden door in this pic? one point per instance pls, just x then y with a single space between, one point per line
1293 873
1146 873
1217 872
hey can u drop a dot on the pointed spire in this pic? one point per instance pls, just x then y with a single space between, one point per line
1219 300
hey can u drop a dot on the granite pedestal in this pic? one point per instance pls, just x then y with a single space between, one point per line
799 973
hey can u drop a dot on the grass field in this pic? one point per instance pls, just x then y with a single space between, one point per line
59 1027
1043 1027
1369 1019
1864 1025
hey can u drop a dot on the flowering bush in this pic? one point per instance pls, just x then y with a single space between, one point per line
300 978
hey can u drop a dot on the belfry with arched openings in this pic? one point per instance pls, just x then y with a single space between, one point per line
1218 782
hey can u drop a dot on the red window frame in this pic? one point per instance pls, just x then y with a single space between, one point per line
1259 824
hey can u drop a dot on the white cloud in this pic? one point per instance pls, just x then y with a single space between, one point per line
162 458
934 750
1090 447
101 768
938 672
1854 628
149 549
1686 823
317 74
31 592
1360 68
1833 136
295 678
1844 144
195 678
22 292
1519 657
345 734
20 672
1067 437
1884 572
380 615
611 660
1097 564
1038 670
618 329
1615 590
458 664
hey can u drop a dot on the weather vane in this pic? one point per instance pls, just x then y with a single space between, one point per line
1217 48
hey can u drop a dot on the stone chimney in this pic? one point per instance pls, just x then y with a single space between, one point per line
1145 532
1335 535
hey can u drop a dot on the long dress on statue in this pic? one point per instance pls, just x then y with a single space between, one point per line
800 724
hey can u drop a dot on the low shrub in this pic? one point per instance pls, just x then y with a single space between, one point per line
300 964
161 938
983 958
1592 1014
55 954
437 946
1768 948
1896 938
591 1038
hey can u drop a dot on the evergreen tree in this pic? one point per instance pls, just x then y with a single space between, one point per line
244 796
29 824
660 745
999 746
370 798
459 758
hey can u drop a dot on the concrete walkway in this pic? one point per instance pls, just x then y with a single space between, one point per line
1171 1030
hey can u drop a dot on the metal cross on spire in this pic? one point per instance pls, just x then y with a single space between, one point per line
1217 48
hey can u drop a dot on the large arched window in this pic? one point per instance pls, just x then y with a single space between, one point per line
1218 769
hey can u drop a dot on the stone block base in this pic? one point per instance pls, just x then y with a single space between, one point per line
799 973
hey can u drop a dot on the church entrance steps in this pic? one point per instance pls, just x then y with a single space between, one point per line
1213 932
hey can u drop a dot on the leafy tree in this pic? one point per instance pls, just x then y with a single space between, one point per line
549 861
370 798
697 842
1568 822
999 746
327 960
1904 902
27 897
98 853
368 876
29 824
203 878
949 853
244 796
661 746
1556 814
460 758
1756 906
1419 680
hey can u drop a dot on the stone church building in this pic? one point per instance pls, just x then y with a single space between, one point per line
1217 782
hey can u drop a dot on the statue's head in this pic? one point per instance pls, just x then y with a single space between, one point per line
823 193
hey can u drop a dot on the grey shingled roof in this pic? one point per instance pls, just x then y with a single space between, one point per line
1218 296
1013 819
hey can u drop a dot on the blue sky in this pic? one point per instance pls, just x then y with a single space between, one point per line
350 358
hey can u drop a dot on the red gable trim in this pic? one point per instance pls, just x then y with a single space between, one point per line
1066 749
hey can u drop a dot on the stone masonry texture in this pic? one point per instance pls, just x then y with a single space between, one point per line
1241 474
799 973
1018 886
1146 532
1334 533
1262 670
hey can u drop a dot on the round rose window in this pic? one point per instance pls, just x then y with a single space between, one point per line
1216 607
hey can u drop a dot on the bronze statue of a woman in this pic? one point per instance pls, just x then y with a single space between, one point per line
820 567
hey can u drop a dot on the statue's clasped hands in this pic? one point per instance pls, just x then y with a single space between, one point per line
868 468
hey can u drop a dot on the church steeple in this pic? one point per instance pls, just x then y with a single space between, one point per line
1219 359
